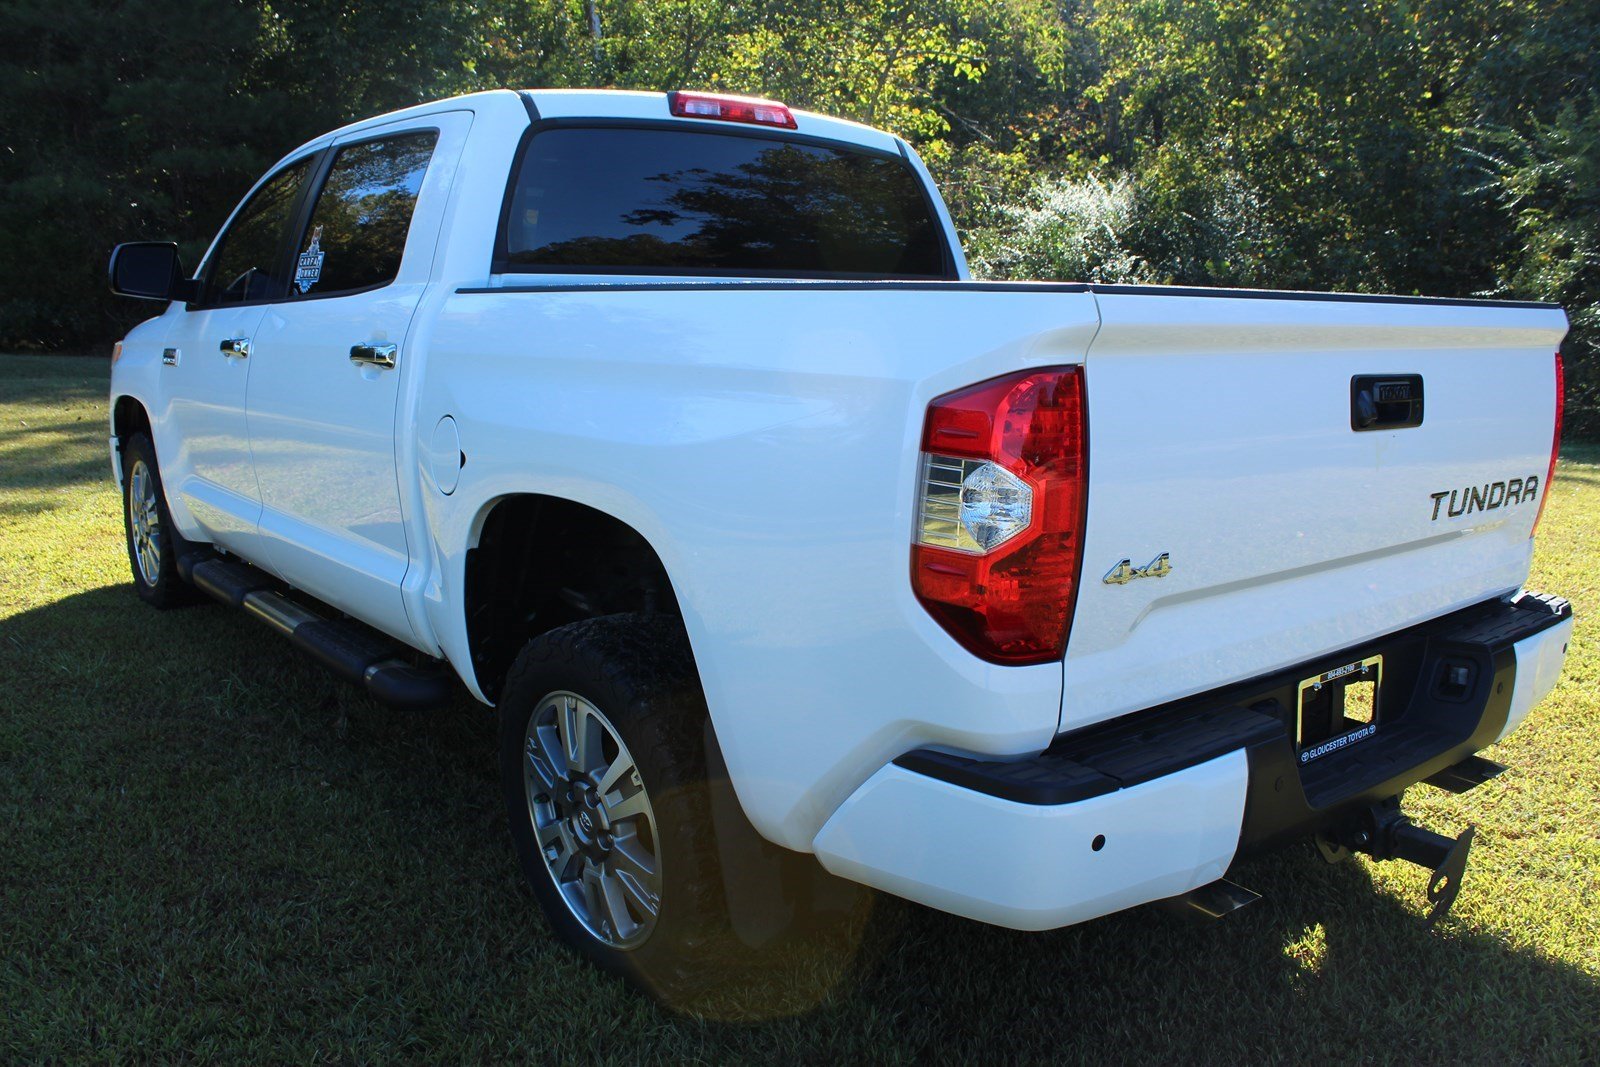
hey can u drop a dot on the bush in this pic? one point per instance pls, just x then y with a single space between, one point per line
1067 230
1173 223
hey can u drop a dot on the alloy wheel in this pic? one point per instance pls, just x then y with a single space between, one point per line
592 819
144 522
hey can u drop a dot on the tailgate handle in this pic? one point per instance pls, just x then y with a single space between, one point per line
1385 401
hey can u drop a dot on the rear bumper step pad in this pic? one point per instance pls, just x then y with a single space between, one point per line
347 648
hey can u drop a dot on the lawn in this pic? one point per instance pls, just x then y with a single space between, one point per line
212 849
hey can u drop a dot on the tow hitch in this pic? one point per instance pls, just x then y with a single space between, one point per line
1385 833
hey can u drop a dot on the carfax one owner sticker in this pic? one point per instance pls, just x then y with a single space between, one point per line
309 269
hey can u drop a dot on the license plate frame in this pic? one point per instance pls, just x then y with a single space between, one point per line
1321 698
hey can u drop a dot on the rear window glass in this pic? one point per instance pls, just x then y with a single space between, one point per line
674 201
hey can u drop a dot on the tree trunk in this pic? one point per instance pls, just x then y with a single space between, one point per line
591 11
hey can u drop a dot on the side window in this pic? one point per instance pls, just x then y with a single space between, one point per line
358 228
247 264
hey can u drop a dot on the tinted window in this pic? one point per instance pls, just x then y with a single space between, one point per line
248 263
679 201
359 225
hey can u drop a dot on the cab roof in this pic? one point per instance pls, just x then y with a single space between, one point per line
627 104
605 104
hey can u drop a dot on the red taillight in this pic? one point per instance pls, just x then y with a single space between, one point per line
731 109
1000 514
1555 444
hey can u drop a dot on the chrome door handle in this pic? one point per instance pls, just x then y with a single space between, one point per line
236 346
373 355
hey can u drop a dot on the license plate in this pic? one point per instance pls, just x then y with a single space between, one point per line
1338 708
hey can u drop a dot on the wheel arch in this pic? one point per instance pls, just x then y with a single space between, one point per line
129 416
536 561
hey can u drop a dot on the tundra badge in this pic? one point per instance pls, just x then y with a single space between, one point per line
1125 572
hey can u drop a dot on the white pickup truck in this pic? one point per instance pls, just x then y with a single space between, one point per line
672 427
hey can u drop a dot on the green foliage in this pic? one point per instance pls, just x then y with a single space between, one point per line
861 59
1551 183
1179 220
1417 146
1068 230
1204 223
96 148
979 182
148 120
1336 115
1553 191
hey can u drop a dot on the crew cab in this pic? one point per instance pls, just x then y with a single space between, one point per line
791 559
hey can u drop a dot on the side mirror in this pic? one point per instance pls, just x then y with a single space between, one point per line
149 270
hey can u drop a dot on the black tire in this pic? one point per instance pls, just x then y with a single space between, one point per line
638 672
163 587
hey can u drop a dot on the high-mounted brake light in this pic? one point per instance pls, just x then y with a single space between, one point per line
731 109
1555 444
1000 513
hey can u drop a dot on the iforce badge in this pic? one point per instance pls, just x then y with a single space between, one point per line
309 268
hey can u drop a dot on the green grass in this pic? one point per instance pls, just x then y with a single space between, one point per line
212 849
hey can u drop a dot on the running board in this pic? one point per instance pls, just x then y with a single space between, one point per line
347 648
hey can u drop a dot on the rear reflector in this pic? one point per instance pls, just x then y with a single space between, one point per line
746 109
1555 445
1000 514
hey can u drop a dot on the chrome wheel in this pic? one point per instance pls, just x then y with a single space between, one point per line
144 522
592 819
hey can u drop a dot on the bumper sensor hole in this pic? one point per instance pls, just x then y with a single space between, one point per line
1098 843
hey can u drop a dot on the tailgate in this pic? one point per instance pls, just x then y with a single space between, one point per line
1221 436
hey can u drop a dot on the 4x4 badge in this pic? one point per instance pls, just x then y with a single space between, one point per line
1125 572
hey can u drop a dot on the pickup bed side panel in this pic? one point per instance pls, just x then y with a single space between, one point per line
1221 434
764 439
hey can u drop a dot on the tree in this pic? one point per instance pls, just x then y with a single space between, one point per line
146 120
1552 192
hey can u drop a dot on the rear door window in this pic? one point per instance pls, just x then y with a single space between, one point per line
637 200
357 233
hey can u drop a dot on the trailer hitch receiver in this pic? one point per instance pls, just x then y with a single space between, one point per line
1448 872
1385 833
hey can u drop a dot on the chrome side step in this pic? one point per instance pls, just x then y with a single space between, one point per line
347 648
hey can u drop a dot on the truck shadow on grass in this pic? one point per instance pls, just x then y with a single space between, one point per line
192 800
